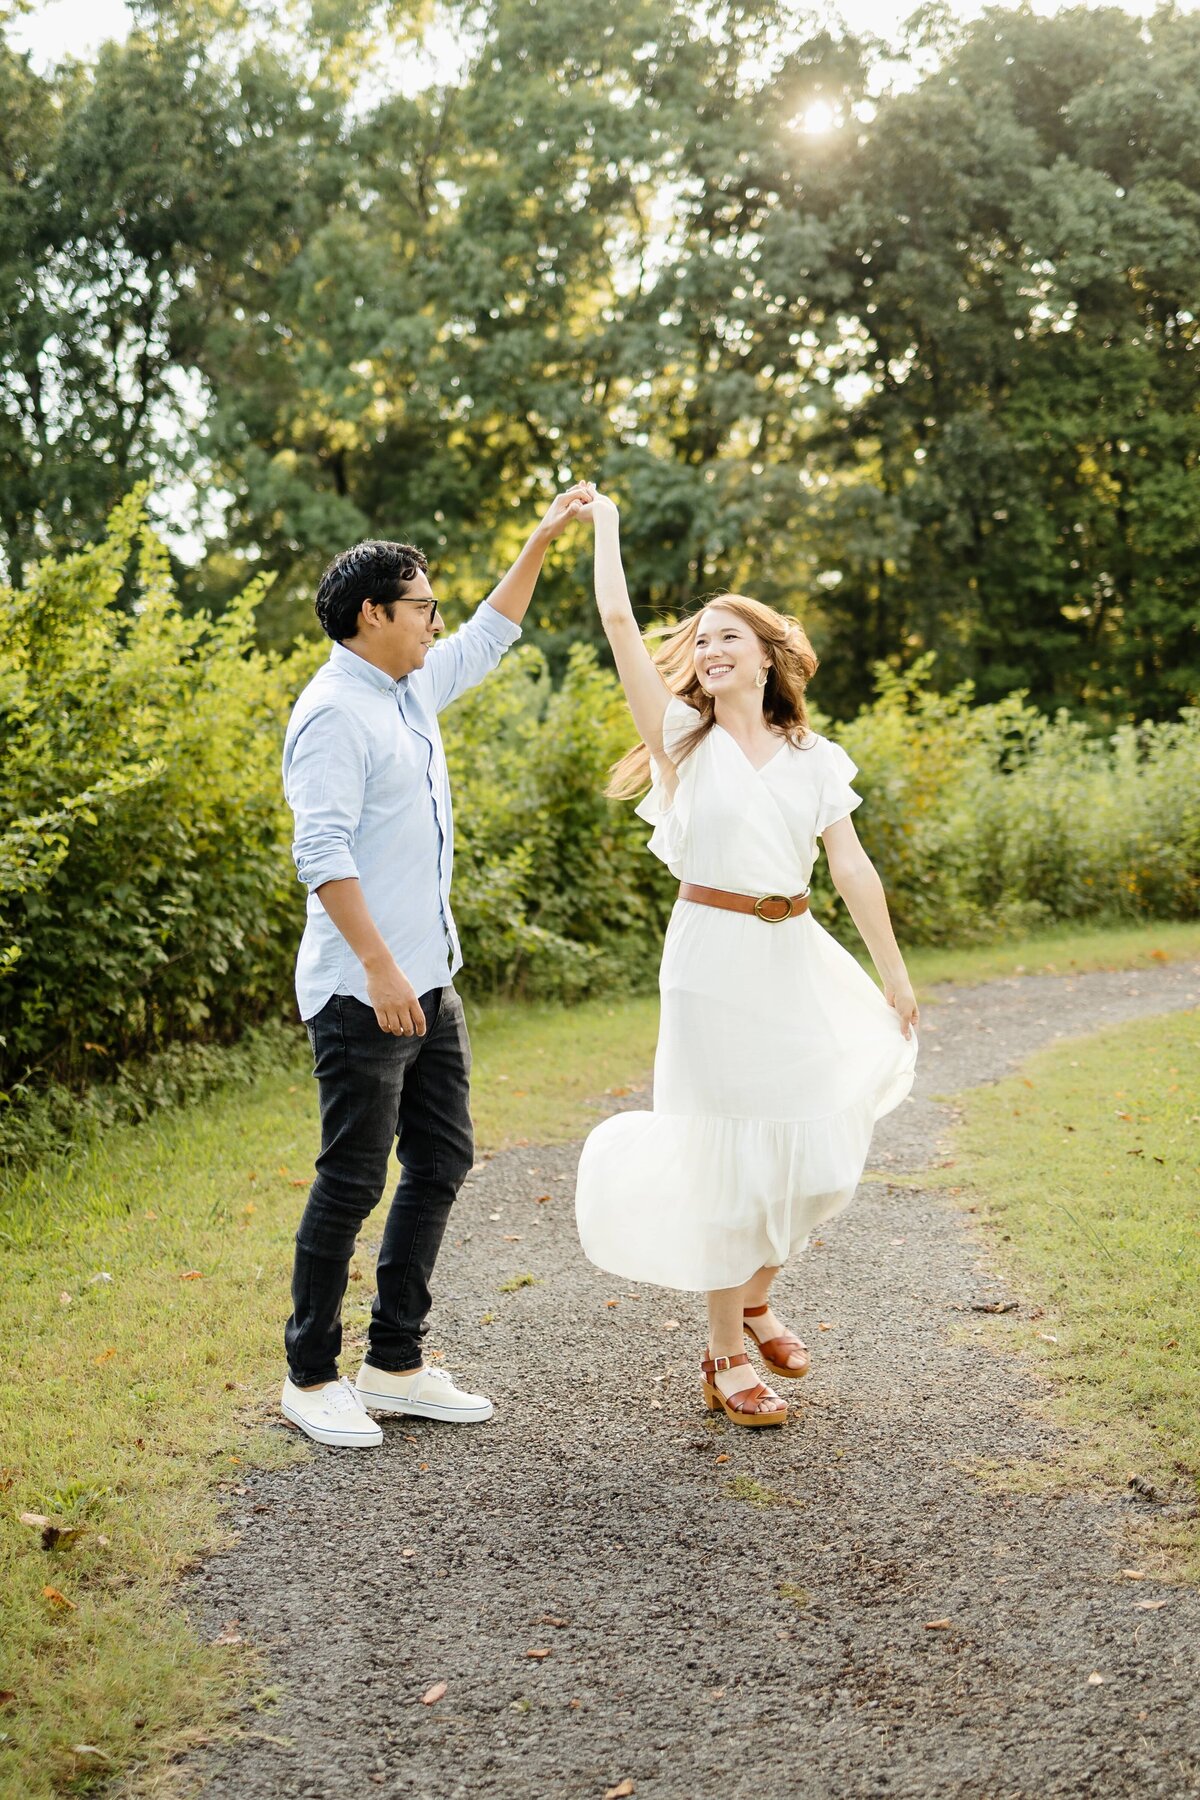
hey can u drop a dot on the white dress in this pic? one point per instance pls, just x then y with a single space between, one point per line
776 1051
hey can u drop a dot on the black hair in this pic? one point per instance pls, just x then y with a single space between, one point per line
373 570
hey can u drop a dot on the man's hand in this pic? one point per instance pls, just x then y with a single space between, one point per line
394 998
563 509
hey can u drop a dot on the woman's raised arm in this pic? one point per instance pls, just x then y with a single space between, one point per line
645 689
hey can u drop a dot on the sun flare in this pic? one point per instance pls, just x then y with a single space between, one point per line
818 118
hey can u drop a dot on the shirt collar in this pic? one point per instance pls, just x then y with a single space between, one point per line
350 663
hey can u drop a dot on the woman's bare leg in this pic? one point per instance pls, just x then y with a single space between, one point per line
725 1338
757 1292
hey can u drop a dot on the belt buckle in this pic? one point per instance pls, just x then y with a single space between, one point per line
773 918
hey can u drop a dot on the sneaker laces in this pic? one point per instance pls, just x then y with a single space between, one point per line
343 1398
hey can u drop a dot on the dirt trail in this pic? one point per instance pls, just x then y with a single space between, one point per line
729 1615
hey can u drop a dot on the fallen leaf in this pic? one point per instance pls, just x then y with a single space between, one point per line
824 1325
299 1181
64 1299
39 1521
192 1275
7 1696
91 1750
509 1239
724 1457
612 1303
105 1355
1134 1574
993 1306
549 1619
408 1553
537 1655
1095 1679
100 1275
670 1324
937 1625
1047 1337
432 1695
229 1637
622 1790
1149 1605
59 1600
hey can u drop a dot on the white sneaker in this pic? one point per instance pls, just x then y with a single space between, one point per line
332 1414
423 1393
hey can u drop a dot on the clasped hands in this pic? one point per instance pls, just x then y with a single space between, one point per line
582 501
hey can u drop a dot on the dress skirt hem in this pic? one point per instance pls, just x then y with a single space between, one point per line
697 1202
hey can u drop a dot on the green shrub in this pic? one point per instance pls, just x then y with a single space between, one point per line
148 898
144 898
987 821
554 892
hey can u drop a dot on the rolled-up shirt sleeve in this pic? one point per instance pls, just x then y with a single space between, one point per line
461 660
324 779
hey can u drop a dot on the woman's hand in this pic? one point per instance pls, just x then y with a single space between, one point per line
899 994
598 505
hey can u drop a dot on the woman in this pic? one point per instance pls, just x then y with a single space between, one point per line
776 1052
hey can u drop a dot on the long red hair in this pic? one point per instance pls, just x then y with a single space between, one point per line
792 662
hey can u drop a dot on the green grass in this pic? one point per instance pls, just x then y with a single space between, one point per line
1065 950
542 1072
137 1403
1083 1171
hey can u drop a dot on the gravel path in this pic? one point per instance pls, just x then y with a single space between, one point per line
727 1614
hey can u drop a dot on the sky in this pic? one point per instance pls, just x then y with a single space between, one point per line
78 26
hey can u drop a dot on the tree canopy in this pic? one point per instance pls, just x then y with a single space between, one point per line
927 376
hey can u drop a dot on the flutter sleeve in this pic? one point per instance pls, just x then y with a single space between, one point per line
838 798
667 812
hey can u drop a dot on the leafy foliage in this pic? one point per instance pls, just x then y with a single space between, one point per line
147 896
142 893
929 377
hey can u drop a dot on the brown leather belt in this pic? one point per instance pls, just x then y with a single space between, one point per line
782 907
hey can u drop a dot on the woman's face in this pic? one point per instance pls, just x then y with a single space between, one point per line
728 656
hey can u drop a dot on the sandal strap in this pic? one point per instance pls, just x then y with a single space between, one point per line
710 1364
755 1312
745 1400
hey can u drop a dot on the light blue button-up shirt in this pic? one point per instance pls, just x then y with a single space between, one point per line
365 776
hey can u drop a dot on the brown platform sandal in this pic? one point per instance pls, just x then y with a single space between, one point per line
773 1350
735 1406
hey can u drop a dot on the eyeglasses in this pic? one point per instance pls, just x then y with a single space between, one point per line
431 603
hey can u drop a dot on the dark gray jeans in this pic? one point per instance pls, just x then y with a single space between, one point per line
376 1090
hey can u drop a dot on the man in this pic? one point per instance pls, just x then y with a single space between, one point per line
365 775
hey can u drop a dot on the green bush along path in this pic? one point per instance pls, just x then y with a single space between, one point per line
146 893
143 1282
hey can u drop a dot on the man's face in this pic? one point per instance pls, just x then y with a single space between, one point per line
398 645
